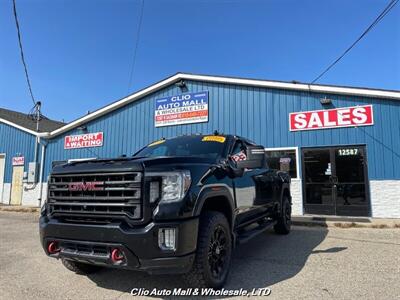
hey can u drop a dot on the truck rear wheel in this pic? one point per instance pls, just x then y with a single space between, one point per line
80 268
213 254
284 220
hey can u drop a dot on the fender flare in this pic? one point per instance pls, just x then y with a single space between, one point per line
215 190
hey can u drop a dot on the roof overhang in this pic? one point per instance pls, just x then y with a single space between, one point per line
350 91
23 128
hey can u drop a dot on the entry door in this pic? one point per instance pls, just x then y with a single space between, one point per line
2 166
335 181
16 185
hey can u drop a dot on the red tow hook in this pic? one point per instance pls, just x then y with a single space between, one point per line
53 248
117 255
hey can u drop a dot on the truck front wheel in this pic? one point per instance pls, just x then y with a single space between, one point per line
80 268
213 254
284 220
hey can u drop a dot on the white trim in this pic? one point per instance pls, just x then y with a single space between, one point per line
117 104
19 127
296 149
217 79
3 156
297 86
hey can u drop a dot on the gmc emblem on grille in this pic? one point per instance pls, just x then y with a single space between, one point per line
86 186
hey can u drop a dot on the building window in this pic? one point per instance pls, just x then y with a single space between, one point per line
283 159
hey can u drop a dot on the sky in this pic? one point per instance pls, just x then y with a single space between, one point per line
79 53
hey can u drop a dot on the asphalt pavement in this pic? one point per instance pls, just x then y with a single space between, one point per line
309 263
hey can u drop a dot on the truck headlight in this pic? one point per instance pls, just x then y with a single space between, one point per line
174 185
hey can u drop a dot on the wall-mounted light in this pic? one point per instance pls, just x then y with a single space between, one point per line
83 129
182 85
325 101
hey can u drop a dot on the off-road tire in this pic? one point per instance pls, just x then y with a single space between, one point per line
201 274
284 220
80 268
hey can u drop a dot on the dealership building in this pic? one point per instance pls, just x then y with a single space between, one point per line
341 145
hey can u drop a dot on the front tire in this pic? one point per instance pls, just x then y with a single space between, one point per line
213 254
284 220
80 268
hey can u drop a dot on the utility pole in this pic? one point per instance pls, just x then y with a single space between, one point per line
37 116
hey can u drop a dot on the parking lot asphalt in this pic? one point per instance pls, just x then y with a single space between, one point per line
309 263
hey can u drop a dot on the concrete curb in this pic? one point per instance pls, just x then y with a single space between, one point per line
23 209
342 223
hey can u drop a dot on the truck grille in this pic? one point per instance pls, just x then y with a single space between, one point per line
96 195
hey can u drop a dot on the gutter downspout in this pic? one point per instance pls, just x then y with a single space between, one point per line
41 174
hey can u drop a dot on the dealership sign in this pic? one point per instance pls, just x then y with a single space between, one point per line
18 161
332 118
83 140
183 109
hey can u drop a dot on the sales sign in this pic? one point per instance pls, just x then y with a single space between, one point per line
18 161
83 140
183 109
332 118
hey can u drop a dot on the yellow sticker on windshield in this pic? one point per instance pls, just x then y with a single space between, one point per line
156 143
214 138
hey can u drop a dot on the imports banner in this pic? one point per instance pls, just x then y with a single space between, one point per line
332 118
83 140
183 109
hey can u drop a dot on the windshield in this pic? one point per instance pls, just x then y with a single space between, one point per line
210 146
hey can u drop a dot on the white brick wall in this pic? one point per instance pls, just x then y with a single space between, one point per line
385 198
5 198
297 197
30 196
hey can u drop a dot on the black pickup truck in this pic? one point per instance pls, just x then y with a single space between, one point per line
177 206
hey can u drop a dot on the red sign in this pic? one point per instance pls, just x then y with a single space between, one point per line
83 140
18 161
331 118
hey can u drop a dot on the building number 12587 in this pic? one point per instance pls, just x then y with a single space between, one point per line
346 152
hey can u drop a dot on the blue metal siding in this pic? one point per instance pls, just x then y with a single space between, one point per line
14 142
259 114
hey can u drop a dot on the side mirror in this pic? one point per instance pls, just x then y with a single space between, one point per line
255 158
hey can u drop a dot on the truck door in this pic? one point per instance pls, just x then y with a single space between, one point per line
250 188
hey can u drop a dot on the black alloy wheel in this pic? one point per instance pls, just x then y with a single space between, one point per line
217 253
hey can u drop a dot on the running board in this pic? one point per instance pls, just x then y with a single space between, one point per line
248 235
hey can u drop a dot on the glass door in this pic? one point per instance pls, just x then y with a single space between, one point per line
317 176
351 186
335 181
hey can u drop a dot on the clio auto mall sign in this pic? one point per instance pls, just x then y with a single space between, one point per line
182 109
331 118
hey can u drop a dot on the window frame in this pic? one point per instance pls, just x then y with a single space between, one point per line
296 149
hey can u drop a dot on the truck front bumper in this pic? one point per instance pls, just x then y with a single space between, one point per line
94 244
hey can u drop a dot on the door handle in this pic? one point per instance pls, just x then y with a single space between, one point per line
333 180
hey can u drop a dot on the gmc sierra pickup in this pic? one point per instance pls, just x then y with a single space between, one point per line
178 206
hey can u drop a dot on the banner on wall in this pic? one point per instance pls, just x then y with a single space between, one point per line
182 109
83 140
332 118
18 160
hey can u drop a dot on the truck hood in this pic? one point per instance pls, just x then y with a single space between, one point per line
128 164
